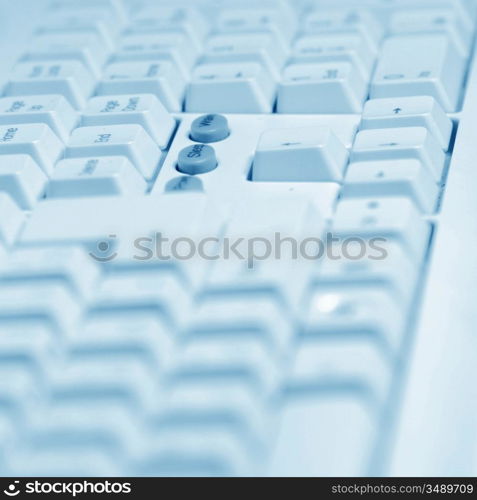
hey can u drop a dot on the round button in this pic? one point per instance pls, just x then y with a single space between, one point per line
209 128
197 159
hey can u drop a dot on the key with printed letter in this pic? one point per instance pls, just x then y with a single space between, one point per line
420 65
143 109
231 88
116 140
161 78
69 78
334 87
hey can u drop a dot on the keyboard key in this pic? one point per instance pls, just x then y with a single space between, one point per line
96 21
321 88
209 128
116 140
69 266
420 65
250 47
388 218
392 178
68 78
305 154
84 47
333 48
51 304
175 47
103 176
444 21
142 109
345 21
400 144
35 139
161 78
177 19
54 110
323 436
230 88
279 22
116 8
197 159
418 111
154 291
22 179
346 365
11 220
340 313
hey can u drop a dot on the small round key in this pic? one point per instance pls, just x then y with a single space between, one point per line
197 159
209 128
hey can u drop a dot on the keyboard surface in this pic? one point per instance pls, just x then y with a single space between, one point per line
237 238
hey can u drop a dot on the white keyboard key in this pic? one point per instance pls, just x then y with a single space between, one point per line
116 140
334 87
69 78
324 436
446 21
388 218
304 154
246 360
116 8
96 21
22 179
420 65
84 47
362 265
174 47
230 88
103 176
52 304
250 47
349 21
400 144
157 291
341 365
11 220
143 109
177 19
35 139
161 78
278 22
54 110
417 111
70 266
333 48
392 178
340 312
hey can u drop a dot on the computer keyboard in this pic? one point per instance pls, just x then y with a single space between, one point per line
237 238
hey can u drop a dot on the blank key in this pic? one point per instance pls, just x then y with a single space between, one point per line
11 219
420 65
128 140
69 78
34 139
231 88
399 144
